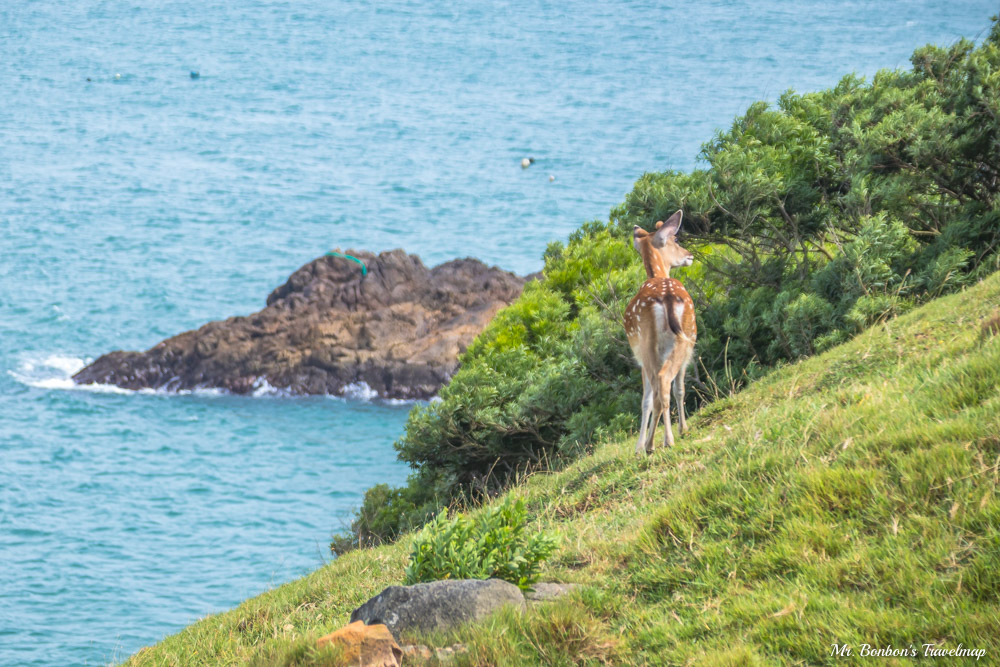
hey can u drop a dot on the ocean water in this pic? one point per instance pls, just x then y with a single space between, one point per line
137 202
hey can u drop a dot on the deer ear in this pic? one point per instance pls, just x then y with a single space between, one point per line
668 230
659 223
638 234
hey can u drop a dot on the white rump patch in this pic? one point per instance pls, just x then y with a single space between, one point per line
665 337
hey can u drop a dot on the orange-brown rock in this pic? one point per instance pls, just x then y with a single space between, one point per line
396 332
365 645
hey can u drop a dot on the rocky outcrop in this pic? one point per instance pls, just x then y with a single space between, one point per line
396 332
365 645
438 605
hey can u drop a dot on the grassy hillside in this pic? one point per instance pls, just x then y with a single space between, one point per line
848 498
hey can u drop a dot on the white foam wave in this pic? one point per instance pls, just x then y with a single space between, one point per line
63 363
197 391
360 391
56 371
263 388
67 384
398 401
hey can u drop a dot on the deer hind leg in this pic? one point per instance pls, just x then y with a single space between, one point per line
647 413
679 399
654 416
670 372
664 378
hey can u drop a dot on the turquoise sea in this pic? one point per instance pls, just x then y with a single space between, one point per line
137 201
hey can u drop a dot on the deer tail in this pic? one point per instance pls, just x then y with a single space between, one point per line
672 321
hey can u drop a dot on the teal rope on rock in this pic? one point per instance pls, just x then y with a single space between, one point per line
364 269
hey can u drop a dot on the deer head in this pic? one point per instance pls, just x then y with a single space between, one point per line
659 250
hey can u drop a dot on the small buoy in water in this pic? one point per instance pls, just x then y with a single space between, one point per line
117 76
551 178
527 162
195 75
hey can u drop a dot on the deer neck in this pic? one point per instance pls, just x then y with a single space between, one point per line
653 262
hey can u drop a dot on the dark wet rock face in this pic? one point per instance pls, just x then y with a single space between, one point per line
397 332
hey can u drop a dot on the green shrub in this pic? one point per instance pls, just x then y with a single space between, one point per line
495 544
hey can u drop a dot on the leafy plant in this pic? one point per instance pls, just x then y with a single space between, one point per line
494 544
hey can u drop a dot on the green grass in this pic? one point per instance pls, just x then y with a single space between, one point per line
850 498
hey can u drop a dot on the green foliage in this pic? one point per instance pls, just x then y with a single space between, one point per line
495 544
811 220
799 320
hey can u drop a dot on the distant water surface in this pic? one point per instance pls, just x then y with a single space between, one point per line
143 202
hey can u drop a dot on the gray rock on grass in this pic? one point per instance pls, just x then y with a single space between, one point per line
438 605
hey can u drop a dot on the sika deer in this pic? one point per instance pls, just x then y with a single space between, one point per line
660 325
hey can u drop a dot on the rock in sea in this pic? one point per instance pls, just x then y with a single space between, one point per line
396 332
